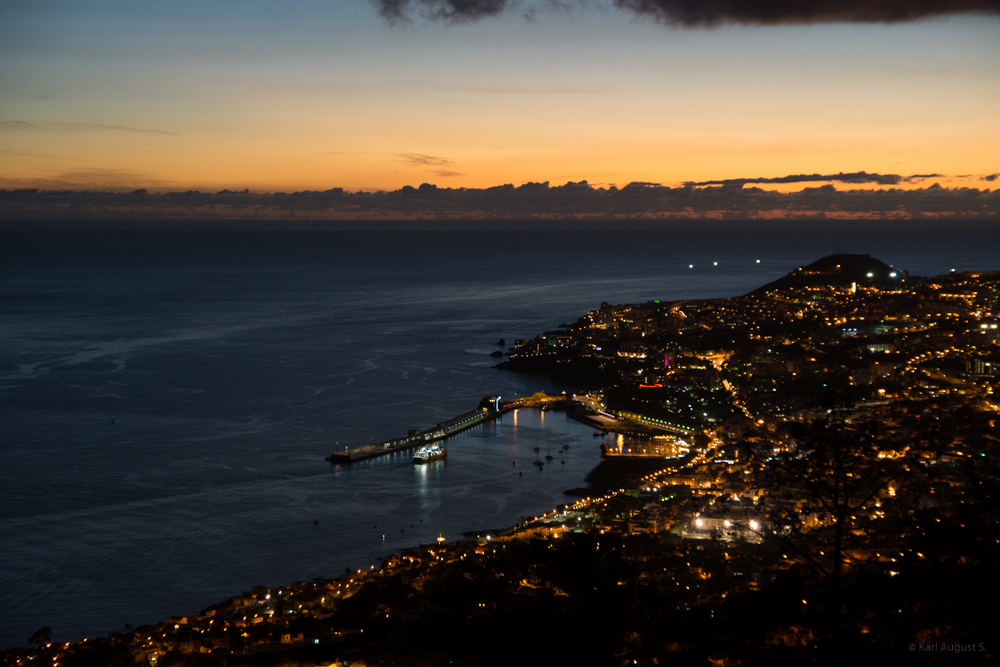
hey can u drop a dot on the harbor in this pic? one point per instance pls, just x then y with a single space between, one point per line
489 408
584 408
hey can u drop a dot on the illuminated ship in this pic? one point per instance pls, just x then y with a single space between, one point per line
429 453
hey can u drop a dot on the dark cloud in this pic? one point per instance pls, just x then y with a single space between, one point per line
991 177
449 11
856 178
393 11
421 160
703 13
444 173
713 13
578 200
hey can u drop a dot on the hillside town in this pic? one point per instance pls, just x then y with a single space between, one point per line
804 474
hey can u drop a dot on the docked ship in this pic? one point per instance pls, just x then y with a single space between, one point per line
489 409
430 453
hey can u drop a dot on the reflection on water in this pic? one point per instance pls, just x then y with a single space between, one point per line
421 474
201 548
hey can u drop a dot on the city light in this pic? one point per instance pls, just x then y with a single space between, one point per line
805 360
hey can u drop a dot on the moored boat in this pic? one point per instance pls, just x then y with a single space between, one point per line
429 453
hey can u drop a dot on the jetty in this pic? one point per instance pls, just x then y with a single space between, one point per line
489 408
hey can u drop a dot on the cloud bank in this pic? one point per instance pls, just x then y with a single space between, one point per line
855 178
580 200
703 13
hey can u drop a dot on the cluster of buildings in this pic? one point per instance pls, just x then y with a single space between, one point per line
829 426
821 338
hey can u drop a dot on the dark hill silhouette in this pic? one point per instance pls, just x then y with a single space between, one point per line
836 270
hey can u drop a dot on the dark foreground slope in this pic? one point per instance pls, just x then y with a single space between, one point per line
592 599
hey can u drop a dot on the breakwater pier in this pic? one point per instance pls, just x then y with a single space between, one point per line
489 408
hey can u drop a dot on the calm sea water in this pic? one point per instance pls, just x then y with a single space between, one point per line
232 362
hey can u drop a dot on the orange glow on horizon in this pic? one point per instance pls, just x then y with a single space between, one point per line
596 97
479 154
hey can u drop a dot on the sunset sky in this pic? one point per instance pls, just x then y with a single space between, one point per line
310 94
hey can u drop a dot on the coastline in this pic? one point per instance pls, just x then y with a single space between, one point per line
615 474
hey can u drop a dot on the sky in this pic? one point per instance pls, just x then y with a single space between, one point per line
312 95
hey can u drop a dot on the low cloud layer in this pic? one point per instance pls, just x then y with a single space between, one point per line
703 13
855 178
716 199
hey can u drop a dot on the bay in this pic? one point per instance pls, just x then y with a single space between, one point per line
231 361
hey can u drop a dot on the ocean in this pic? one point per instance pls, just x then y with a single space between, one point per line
167 395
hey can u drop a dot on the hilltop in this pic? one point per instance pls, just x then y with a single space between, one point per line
838 270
